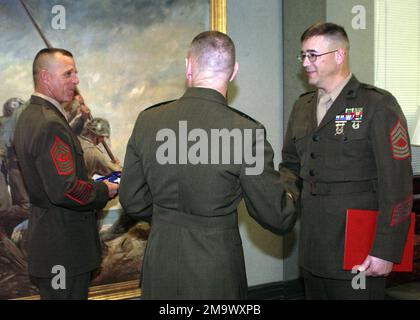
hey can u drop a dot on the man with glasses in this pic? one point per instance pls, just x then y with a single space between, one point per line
349 144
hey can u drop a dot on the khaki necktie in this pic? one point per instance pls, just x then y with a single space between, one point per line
324 104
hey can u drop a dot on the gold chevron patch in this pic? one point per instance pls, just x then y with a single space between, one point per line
400 147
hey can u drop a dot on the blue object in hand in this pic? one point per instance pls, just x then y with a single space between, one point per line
113 177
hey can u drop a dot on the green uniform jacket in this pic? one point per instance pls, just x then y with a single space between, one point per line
62 225
367 165
194 249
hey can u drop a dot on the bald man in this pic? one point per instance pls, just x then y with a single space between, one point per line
192 190
63 242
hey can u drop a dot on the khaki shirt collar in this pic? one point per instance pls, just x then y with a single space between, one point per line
336 92
54 102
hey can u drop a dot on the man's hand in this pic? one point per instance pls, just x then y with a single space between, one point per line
117 162
289 181
112 188
85 111
376 267
82 108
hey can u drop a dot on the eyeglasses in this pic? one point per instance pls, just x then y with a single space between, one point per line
312 56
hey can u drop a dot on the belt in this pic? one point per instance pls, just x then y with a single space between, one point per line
171 216
327 188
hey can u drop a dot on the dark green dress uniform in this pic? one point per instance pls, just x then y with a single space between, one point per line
62 225
194 249
358 157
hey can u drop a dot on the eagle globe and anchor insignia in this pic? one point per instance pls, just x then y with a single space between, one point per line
62 157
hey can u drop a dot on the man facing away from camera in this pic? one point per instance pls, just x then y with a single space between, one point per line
192 190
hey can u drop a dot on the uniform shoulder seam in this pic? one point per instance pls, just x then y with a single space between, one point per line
159 104
244 115
376 89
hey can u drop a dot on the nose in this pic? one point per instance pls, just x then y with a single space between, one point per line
75 79
306 61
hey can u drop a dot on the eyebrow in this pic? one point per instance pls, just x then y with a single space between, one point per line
309 51
70 70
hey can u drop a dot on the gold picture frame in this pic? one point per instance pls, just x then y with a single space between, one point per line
130 289
218 15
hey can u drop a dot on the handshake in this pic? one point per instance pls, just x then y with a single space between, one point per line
290 182
112 181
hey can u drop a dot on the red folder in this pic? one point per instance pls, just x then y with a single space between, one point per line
359 236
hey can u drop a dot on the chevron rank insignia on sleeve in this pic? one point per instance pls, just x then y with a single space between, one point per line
401 211
80 192
399 142
62 157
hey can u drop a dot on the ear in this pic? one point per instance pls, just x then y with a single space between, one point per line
44 77
188 68
235 71
340 56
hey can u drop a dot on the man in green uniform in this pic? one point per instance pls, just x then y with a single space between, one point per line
194 249
349 144
63 240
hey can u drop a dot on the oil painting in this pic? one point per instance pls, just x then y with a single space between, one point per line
130 55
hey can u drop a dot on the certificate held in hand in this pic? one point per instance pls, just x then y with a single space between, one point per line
359 237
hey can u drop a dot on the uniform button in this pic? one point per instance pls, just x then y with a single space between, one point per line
315 138
312 173
313 155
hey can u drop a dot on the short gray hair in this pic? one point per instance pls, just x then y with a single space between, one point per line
213 51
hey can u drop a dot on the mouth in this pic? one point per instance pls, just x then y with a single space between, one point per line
310 73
